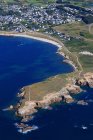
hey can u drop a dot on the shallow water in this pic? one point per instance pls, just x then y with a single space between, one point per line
25 61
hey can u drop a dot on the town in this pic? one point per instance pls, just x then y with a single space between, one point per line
43 18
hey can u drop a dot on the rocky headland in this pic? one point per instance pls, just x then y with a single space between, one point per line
31 107
28 108
85 79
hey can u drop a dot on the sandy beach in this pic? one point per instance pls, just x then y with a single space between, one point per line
35 36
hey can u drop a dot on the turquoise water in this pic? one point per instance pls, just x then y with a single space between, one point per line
26 61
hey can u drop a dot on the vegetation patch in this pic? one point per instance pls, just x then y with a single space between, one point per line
86 35
77 45
73 29
29 1
87 62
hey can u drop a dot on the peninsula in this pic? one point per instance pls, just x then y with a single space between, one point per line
69 26
43 94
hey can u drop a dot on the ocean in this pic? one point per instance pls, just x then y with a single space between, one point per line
25 61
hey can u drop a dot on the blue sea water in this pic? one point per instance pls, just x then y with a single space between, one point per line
26 61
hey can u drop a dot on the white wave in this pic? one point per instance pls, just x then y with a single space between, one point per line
84 127
6 109
47 108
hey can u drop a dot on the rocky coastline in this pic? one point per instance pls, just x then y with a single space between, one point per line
27 110
85 79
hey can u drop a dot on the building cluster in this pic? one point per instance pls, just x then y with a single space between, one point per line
39 18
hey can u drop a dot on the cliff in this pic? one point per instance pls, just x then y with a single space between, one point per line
31 107
64 95
86 79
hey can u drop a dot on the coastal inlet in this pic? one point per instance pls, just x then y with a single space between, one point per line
25 61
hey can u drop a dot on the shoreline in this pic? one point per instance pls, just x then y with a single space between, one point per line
65 94
32 37
50 41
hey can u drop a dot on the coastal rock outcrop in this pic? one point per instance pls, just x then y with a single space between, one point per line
65 95
28 108
82 102
73 89
21 94
86 79
31 107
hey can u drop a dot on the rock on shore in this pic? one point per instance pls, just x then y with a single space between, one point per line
31 107
65 95
86 79
73 89
82 102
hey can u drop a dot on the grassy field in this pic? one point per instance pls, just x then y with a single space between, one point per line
29 1
87 62
53 84
81 3
79 29
77 46
39 90
74 29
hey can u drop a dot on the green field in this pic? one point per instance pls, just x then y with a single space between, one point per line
28 1
76 45
81 3
74 29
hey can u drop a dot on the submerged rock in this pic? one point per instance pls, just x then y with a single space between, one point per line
25 128
82 102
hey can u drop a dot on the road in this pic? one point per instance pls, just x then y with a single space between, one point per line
91 30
